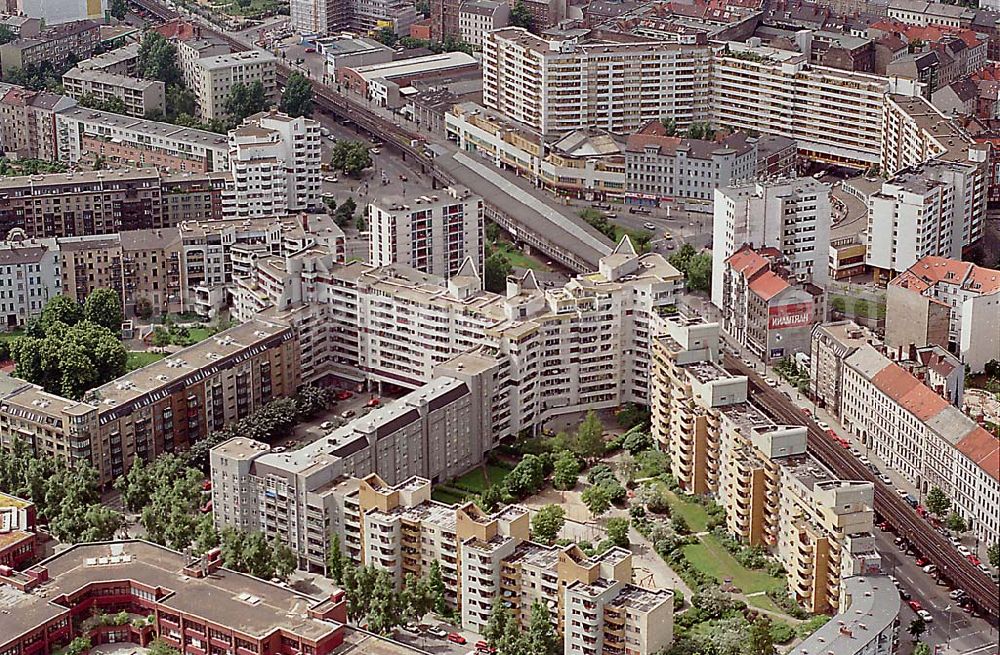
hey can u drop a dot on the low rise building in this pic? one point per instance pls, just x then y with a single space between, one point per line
792 216
382 82
188 602
867 622
764 309
349 51
433 234
163 407
85 134
948 303
120 61
141 97
775 494
19 542
53 45
665 168
924 438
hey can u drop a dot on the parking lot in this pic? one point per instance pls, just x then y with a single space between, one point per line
433 638
343 412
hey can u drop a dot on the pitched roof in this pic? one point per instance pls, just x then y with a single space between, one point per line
982 448
912 394
768 284
932 270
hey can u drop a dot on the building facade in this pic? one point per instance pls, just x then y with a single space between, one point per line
432 234
30 276
215 76
141 97
53 45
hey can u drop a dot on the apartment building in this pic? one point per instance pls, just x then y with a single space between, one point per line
774 493
764 309
27 122
921 436
319 17
141 97
18 535
63 12
151 271
120 61
792 216
88 263
190 604
867 623
585 163
163 407
275 165
659 167
69 204
947 303
583 345
214 78
53 45
559 84
834 115
935 209
29 276
82 135
476 18
433 234
919 12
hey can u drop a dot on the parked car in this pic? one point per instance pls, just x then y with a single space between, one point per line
649 226
374 401
915 605
855 452
456 638
904 594
278 449
771 382
206 508
823 425
206 485
437 631
344 395
925 615
326 425
412 628
965 551
922 561
483 647
930 569
956 594
886 479
348 414
639 210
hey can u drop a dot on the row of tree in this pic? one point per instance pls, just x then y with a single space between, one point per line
68 499
504 632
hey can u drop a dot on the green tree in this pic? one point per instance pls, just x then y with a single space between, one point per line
541 636
157 59
566 470
699 274
670 125
387 36
206 537
435 586
921 649
760 640
589 442
917 628
956 523
993 554
104 307
78 646
547 522
496 626
352 157
936 502
526 477
6 34
335 560
297 99
597 499
144 308
245 100
118 9
284 559
520 16
180 100
637 441
495 271
160 647
61 309
617 529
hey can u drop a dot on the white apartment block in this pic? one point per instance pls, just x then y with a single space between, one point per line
275 163
316 17
834 115
775 495
120 61
558 85
477 18
928 12
140 96
949 303
64 11
213 77
867 623
433 234
29 276
935 209
791 215
584 345
923 437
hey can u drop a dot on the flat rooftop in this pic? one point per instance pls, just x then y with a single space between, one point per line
415 66
872 606
250 605
157 132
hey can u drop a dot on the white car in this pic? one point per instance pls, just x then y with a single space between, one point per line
886 479
326 425
649 226
964 551
771 382
925 615
331 178
930 569
823 425
902 493
855 452
865 460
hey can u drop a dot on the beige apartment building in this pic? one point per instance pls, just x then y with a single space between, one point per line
561 83
163 407
141 97
27 122
53 45
214 77
90 262
775 494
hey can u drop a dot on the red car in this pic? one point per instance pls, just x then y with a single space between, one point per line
915 606
922 561
456 638
483 647
975 560
806 411
310 50
844 443
206 508
344 395
374 402
833 435
206 485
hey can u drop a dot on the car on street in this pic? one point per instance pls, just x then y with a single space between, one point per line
649 226
639 210
771 382
925 615
956 594
904 594
331 178
348 414
954 541
823 425
886 479
206 508
902 493
310 50
374 151
915 605
922 561
456 638
412 628
483 647
930 569
855 452
326 425
964 551
344 394
437 631
374 401
974 560
864 460
278 449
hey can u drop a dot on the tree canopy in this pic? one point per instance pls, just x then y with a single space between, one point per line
297 99
547 522
157 59
352 157
104 307
245 100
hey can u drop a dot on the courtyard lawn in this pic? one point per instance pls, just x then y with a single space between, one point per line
693 513
200 333
709 557
764 603
140 358
518 259
446 496
476 480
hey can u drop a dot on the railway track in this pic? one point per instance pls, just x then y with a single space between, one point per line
952 566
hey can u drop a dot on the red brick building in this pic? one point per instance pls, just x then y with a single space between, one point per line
18 538
198 608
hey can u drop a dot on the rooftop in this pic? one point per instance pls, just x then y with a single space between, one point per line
872 606
415 65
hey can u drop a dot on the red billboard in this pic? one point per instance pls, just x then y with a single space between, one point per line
794 315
